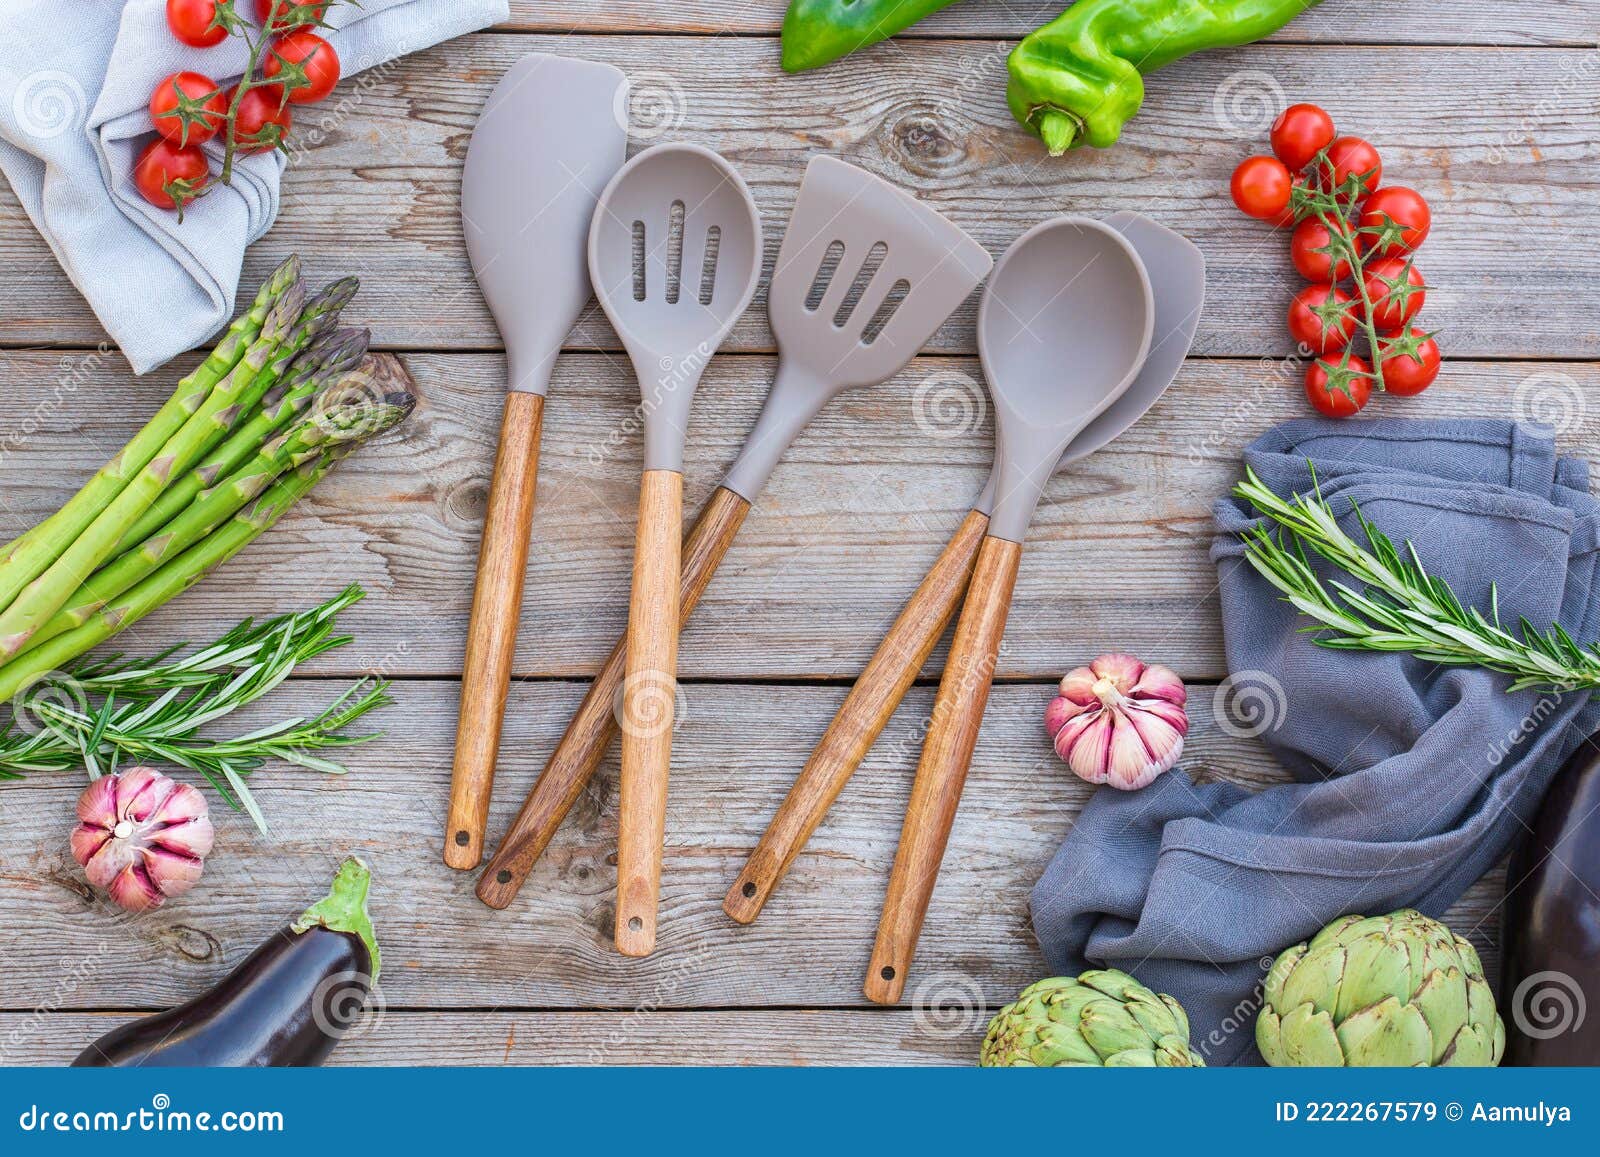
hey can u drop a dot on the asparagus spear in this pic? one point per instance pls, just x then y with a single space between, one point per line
327 359
43 594
359 405
34 550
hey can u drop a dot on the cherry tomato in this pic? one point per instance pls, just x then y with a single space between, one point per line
1309 249
312 54
1397 291
1353 156
282 12
1394 220
1322 318
1285 218
1410 362
194 93
1339 388
192 21
169 176
260 110
1300 133
1260 187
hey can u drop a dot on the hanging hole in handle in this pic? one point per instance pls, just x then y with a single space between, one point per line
749 891
886 311
638 261
502 877
825 272
852 296
887 972
674 251
708 271
635 924
463 838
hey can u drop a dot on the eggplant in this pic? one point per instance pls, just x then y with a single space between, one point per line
287 1004
1550 932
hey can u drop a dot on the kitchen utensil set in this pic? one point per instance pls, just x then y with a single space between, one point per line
864 276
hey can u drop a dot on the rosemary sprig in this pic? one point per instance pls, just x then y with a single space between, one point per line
153 709
1399 606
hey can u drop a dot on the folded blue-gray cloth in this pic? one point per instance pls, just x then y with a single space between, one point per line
1412 779
75 85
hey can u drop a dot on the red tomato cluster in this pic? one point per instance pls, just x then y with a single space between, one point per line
1353 241
189 108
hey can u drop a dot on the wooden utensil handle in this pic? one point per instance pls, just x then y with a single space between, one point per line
492 630
860 720
649 694
594 724
942 771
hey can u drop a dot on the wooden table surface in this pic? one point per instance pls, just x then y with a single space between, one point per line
1489 110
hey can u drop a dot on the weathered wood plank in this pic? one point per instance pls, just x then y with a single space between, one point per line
393 1037
1499 139
736 753
852 519
1335 21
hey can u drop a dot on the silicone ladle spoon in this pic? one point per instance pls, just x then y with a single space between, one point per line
674 254
1177 277
1063 329
865 275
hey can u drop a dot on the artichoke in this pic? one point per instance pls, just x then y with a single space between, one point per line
1387 990
1102 1018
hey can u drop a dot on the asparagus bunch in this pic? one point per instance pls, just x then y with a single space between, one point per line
283 396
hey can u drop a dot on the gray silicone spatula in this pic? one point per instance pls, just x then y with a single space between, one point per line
1177 277
894 270
1062 331
674 254
547 141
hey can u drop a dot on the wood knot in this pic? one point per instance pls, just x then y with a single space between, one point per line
191 942
921 140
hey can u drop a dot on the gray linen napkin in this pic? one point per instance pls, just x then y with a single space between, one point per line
1413 779
75 83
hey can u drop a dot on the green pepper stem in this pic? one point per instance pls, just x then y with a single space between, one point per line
1057 130
344 908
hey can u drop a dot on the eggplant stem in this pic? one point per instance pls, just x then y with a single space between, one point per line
344 908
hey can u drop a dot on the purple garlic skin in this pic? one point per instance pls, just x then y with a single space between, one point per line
142 837
1118 721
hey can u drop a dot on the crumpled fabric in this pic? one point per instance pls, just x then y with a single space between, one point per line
1412 779
75 85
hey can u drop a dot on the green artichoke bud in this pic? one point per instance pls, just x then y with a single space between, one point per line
1103 1018
1376 991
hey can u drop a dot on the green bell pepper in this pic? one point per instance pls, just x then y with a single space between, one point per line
818 32
1079 78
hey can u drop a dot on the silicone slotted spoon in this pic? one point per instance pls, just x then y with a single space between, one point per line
674 254
1177 277
1063 330
528 189
845 220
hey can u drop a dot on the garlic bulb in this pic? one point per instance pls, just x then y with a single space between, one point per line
141 836
1118 721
